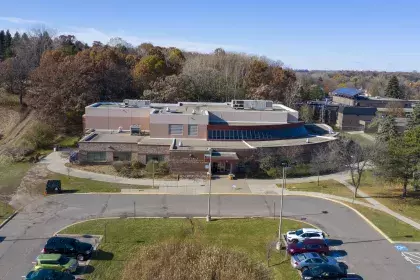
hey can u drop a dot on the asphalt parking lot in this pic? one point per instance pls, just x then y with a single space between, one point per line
365 251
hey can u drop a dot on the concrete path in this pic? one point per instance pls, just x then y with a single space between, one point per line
56 163
380 206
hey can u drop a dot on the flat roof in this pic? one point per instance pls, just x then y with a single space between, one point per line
112 137
290 142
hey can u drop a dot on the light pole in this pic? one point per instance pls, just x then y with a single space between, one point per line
284 165
153 168
208 218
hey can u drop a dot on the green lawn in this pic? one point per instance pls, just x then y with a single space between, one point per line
81 185
394 228
325 186
358 138
123 236
5 211
390 195
68 141
10 176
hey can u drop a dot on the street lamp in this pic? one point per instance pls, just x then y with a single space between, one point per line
208 218
284 165
153 168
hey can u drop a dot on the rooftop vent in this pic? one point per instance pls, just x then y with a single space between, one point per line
167 109
135 129
180 143
193 112
259 105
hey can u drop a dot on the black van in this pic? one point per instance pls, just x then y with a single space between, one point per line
53 186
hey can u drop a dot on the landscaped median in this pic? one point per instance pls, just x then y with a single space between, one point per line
126 239
395 229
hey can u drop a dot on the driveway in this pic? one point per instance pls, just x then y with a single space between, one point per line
364 250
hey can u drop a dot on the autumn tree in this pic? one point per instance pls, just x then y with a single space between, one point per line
306 114
395 109
64 84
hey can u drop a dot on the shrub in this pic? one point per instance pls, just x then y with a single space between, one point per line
41 136
125 171
163 168
149 167
137 165
118 165
187 260
135 173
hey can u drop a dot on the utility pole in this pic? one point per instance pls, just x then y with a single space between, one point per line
281 202
153 170
208 218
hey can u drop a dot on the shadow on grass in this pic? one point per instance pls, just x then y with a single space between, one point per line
102 255
85 269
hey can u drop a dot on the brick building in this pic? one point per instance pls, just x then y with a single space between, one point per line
188 135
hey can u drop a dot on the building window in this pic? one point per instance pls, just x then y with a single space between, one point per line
158 158
122 156
192 130
176 129
96 156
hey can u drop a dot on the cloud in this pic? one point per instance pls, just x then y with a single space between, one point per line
21 20
88 35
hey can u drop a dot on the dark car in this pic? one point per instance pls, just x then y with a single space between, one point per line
53 186
70 247
324 272
48 274
308 245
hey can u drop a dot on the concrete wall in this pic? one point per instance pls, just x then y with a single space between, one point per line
352 122
343 100
114 117
168 118
162 131
248 116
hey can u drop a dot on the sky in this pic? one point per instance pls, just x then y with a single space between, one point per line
303 34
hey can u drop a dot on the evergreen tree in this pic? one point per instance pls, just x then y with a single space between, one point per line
25 37
393 89
16 39
7 45
387 129
2 45
414 119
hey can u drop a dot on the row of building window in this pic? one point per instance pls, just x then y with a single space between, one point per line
178 129
119 156
256 134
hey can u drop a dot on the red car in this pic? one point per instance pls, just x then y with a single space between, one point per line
308 245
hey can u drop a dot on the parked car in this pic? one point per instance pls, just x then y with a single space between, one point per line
304 233
49 274
307 260
67 246
308 245
324 271
57 262
53 186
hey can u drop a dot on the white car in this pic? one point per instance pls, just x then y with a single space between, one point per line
304 233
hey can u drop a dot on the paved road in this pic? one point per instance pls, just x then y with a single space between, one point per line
368 253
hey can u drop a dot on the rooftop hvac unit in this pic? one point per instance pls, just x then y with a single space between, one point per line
135 129
259 105
136 103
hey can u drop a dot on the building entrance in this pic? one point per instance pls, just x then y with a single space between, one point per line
221 167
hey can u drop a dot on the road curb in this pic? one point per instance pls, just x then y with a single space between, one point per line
8 219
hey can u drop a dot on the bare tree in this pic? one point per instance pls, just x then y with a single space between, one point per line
319 161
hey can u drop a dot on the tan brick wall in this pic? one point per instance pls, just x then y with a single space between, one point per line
158 130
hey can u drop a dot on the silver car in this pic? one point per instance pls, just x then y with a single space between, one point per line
306 260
